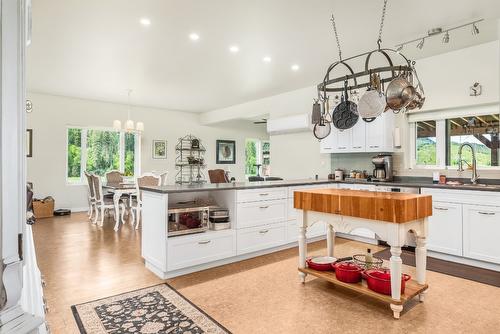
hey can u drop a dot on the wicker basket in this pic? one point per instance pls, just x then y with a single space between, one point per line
43 208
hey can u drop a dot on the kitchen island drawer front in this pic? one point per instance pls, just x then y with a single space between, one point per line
445 228
264 194
292 230
187 251
260 213
482 233
257 238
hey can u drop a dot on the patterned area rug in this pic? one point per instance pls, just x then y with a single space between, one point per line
155 310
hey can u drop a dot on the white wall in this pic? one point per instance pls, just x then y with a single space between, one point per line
52 114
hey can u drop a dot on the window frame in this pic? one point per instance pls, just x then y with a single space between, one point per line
441 145
83 155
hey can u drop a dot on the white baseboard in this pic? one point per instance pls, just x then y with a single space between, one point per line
463 260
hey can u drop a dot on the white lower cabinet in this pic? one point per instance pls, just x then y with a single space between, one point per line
257 238
481 228
191 250
445 228
260 213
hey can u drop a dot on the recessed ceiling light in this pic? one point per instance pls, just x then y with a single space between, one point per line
145 21
266 59
295 67
234 48
194 36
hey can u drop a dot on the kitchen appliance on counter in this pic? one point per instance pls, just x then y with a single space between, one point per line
383 168
339 175
184 219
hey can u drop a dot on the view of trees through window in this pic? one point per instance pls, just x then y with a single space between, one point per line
481 132
426 143
103 152
257 152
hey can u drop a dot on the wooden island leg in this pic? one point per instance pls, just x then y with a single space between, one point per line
421 263
396 264
302 247
330 239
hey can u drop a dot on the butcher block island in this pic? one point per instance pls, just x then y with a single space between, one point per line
390 215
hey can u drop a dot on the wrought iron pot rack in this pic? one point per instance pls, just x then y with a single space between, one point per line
394 71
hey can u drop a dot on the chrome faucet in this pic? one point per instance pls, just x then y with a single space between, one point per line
474 176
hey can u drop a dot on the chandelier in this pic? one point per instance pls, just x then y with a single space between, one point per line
129 123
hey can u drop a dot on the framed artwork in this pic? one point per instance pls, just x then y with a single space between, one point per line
29 143
226 151
159 149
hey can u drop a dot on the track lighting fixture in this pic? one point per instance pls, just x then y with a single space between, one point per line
446 37
475 29
420 45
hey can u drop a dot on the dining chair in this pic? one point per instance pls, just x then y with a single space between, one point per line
114 176
163 176
218 176
91 195
102 202
135 204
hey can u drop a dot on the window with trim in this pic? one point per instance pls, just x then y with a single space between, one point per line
257 152
436 142
99 151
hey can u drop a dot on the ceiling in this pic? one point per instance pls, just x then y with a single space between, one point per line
97 49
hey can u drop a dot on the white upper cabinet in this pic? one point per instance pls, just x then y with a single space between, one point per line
447 77
376 136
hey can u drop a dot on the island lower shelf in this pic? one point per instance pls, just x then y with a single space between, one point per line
412 289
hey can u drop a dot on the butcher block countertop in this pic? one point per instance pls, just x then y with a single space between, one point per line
387 207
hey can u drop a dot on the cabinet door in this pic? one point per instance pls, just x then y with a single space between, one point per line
482 232
358 137
375 135
327 145
343 142
445 228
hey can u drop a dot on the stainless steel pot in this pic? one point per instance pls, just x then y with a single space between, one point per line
399 93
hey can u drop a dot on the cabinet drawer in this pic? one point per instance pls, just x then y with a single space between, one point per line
186 251
264 194
260 213
292 230
482 232
257 238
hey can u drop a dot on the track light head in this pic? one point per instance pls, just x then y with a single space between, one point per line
400 47
446 37
475 29
420 44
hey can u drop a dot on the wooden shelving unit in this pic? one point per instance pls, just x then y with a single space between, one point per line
412 289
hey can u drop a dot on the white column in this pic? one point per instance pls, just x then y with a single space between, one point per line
302 245
396 264
330 239
421 259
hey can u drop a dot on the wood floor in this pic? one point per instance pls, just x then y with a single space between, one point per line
82 262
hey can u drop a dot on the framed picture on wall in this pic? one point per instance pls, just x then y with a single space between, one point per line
225 151
159 149
29 143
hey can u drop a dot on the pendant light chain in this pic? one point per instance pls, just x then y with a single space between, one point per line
379 40
128 100
336 36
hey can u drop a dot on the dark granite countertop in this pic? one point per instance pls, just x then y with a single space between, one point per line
417 182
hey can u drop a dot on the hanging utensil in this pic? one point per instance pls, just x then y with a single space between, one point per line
372 104
399 93
316 112
322 130
345 115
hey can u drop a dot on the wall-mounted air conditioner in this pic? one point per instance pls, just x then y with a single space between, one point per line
289 124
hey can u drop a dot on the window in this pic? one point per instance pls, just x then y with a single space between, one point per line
481 132
436 142
100 151
426 143
257 154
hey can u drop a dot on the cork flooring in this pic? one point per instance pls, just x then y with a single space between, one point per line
82 262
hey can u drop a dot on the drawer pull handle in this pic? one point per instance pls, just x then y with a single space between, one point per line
327 148
204 242
263 231
486 213
357 147
264 207
439 208
342 147
263 194
373 146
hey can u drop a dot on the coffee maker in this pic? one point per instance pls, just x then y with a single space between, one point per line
383 168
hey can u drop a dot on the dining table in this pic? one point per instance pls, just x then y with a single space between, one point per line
118 190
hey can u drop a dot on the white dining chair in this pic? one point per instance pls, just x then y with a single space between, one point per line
102 202
135 202
114 176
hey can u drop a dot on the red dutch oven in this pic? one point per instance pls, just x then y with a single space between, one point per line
321 263
379 280
348 272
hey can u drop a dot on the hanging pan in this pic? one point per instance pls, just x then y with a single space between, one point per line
345 115
372 104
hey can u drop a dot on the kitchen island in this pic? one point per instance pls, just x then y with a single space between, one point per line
390 215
